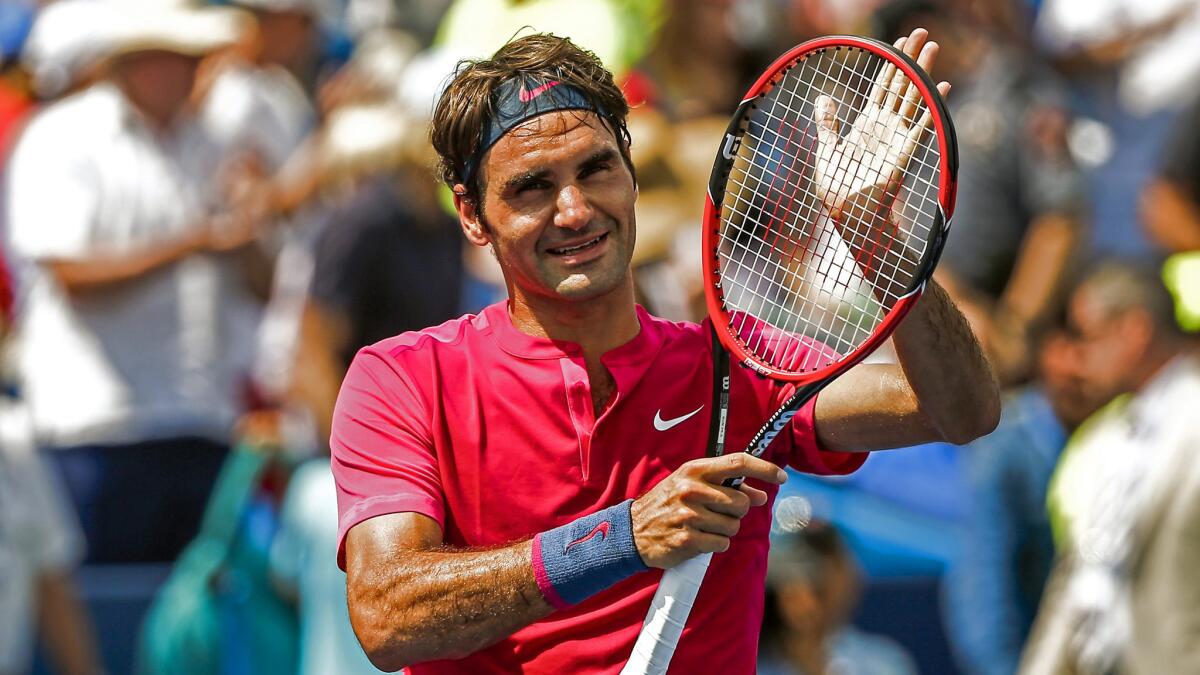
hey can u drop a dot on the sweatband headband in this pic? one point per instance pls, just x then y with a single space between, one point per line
518 100
574 562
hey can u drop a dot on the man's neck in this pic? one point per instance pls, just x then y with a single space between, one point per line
1152 366
597 325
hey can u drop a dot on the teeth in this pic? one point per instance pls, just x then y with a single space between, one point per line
573 249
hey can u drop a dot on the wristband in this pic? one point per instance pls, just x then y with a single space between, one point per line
574 562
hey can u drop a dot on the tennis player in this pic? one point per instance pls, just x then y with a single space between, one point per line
511 484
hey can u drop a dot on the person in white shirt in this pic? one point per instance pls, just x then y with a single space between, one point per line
1125 499
128 348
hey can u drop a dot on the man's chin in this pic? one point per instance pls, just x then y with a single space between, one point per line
584 287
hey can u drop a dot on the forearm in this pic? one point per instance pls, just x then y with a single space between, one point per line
945 368
82 275
442 603
1041 268
1170 218
65 626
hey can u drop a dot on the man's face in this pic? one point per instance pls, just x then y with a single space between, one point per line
160 81
557 208
1064 380
1107 346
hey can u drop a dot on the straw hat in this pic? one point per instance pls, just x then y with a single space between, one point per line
170 25
63 45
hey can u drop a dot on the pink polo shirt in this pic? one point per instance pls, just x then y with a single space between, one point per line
490 432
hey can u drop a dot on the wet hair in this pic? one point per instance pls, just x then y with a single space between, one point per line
465 110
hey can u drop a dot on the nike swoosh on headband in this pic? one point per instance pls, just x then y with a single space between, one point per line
527 95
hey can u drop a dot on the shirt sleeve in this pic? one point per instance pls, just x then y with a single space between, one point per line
51 197
382 447
806 453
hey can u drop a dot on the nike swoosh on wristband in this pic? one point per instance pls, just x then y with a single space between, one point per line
662 425
527 95
601 529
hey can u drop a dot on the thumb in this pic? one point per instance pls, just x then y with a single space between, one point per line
825 113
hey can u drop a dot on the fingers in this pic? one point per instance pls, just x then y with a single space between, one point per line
757 497
896 85
726 500
918 130
737 465
884 79
912 95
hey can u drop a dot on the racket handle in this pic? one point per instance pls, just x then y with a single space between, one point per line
668 614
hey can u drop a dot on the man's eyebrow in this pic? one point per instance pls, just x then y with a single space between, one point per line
600 156
525 178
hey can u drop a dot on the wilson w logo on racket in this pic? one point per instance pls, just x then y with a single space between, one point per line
827 210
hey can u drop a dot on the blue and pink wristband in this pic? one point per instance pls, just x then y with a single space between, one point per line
575 561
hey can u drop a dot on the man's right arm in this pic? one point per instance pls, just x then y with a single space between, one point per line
412 599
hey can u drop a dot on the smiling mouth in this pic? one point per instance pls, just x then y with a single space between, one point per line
570 250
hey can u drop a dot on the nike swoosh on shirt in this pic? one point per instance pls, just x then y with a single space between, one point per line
662 425
601 529
527 95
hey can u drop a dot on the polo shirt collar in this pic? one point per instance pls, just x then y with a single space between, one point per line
641 349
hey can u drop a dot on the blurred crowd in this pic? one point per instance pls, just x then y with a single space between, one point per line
208 208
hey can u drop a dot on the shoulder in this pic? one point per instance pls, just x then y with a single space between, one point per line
676 334
427 346
81 117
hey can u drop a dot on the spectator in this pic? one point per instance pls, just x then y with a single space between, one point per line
1017 217
1125 499
1131 66
256 100
993 588
112 194
40 544
1170 209
1170 203
812 589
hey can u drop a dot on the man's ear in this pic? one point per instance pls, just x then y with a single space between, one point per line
468 217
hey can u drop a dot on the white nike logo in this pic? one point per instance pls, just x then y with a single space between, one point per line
662 425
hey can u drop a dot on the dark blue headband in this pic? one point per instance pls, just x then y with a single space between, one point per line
518 100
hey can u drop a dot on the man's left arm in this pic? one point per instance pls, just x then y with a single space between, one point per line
942 389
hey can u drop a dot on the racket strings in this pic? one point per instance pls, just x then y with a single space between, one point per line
804 286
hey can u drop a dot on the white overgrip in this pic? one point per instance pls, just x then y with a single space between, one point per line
668 615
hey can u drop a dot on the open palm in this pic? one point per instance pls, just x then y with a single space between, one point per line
858 175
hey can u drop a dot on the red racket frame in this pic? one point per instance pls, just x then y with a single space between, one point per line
947 172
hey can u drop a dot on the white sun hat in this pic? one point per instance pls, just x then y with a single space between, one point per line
169 25
63 44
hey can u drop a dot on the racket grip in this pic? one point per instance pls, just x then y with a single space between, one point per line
668 615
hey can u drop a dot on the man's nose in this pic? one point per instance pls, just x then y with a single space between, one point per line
574 211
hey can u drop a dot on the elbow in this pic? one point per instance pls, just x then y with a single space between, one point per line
391 634
378 644
380 631
384 643
978 416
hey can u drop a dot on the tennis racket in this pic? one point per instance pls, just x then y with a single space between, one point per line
828 206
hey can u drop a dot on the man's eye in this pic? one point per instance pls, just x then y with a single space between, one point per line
530 187
595 168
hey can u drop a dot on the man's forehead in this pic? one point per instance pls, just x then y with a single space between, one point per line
559 126
577 131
